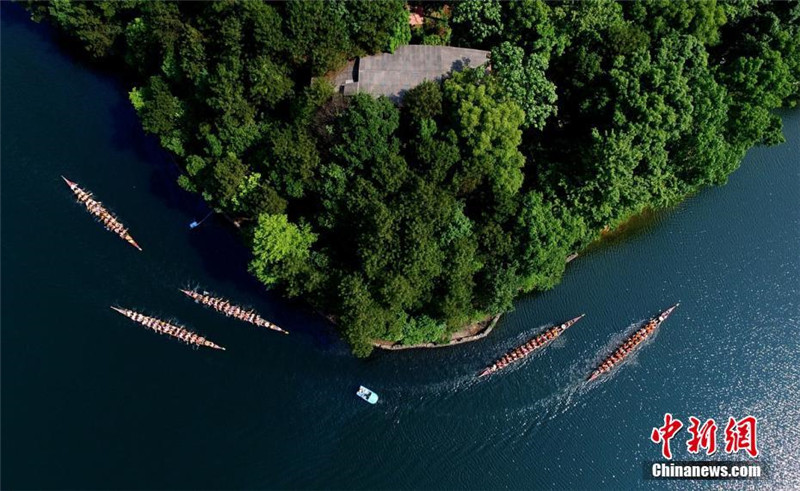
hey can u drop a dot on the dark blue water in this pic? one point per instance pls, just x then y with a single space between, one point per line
90 400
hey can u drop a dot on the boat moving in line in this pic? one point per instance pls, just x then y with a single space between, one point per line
227 308
97 209
163 327
630 344
367 395
529 347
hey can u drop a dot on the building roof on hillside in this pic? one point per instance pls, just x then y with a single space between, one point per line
393 74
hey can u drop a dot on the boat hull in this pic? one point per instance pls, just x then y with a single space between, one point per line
630 344
96 209
225 307
367 395
163 327
534 344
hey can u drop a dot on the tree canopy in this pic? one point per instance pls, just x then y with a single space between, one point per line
407 222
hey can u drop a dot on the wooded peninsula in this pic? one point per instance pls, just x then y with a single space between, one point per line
408 221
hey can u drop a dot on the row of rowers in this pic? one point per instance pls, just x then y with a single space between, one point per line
525 349
627 346
99 211
232 310
167 328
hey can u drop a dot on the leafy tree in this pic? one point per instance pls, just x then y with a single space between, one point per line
229 176
291 159
280 248
545 241
423 101
318 30
477 21
96 25
700 19
269 81
161 113
487 125
536 26
360 315
368 142
377 26
423 329
524 79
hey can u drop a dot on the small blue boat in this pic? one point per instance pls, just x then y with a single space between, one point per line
367 395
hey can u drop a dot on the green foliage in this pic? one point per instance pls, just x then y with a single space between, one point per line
269 81
159 110
701 19
361 315
229 176
486 123
435 30
423 101
161 113
537 27
423 329
477 21
408 223
94 24
318 30
137 99
280 248
319 92
366 132
524 79
378 26
762 71
547 237
291 160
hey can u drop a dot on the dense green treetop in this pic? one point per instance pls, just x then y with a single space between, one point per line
406 223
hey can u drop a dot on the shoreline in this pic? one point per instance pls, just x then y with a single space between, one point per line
471 332
482 328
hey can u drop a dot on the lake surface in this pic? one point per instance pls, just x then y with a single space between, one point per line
92 400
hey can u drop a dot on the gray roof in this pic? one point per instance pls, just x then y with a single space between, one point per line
393 74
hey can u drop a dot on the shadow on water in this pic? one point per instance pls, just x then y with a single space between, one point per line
15 15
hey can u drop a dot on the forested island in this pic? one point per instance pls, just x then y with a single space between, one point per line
407 222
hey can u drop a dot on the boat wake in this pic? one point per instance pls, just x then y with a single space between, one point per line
533 345
630 345
566 389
